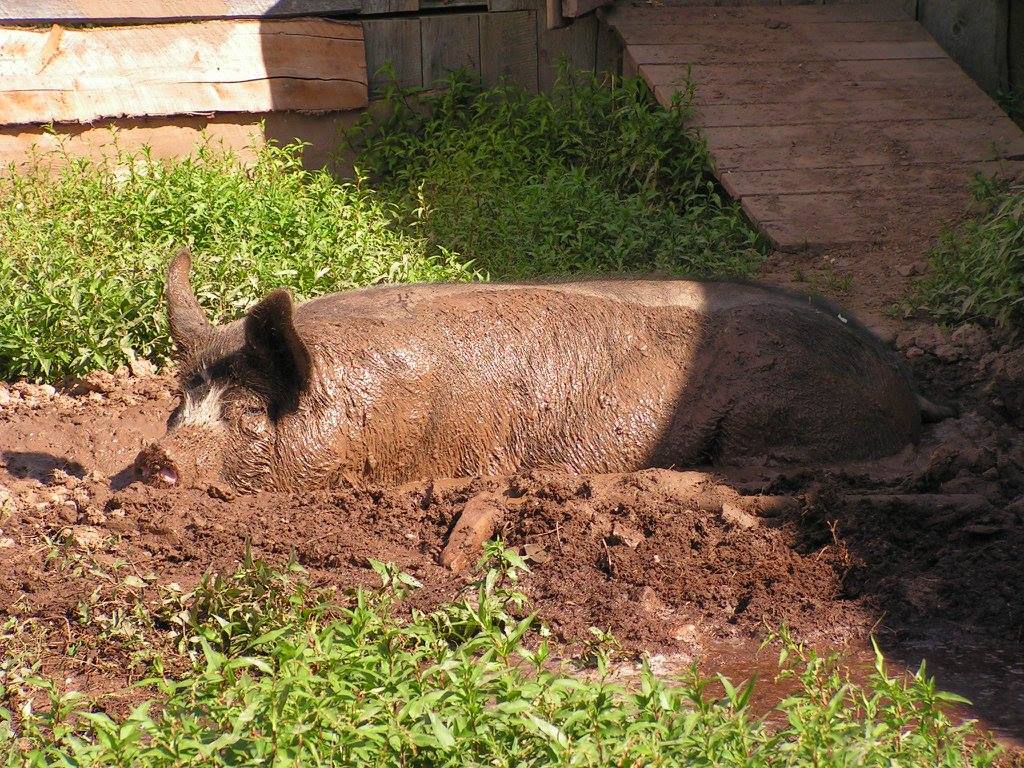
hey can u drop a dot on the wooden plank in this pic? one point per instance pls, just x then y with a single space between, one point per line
383 7
553 14
62 75
393 53
974 32
608 58
863 178
1016 47
775 17
796 222
508 48
635 33
776 83
921 105
101 11
180 135
576 8
576 45
629 66
460 4
450 42
502 6
858 144
785 52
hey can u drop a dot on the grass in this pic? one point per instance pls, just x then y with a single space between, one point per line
466 185
977 269
280 674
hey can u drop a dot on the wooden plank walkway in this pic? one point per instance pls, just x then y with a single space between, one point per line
832 125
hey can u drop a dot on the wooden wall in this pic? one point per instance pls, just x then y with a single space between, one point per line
169 75
511 40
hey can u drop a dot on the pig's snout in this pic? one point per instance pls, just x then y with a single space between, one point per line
156 466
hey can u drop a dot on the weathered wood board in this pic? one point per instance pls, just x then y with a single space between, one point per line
1015 45
822 33
394 44
62 75
508 48
384 7
974 32
575 45
450 42
788 82
180 135
608 57
786 51
102 11
576 8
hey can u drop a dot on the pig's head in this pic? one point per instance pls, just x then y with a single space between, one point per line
244 388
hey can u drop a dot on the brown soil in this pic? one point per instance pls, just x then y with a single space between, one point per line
925 543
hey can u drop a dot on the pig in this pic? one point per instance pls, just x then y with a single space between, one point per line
390 384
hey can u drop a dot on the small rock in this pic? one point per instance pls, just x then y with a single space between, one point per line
47 390
734 515
93 515
68 512
947 353
86 536
141 368
626 534
906 270
221 491
914 352
536 553
650 601
6 542
5 396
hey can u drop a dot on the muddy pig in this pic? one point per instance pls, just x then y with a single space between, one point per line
394 383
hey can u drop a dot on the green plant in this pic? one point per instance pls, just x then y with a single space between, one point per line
467 185
82 253
594 178
977 269
471 683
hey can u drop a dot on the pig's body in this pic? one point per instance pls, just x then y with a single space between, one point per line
405 382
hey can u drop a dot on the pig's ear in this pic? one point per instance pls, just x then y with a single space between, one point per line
271 336
189 327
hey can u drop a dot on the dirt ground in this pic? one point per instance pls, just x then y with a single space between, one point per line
923 548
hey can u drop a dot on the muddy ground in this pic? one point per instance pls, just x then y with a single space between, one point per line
924 548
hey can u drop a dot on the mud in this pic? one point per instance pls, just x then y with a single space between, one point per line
920 547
